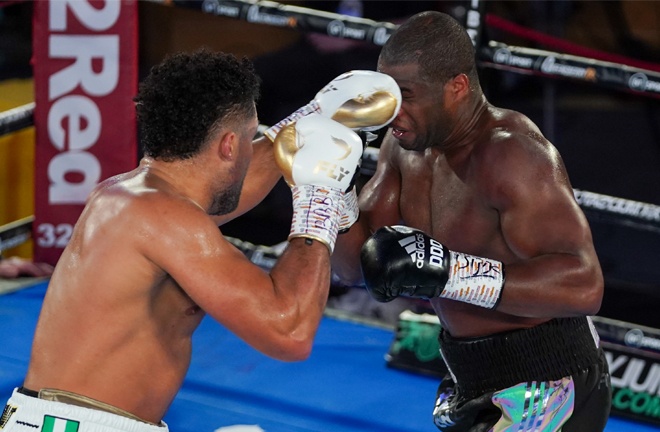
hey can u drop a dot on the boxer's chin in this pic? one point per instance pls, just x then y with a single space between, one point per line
226 201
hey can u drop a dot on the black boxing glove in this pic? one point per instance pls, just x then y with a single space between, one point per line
453 413
402 261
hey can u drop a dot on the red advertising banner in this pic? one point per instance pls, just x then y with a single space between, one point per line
85 60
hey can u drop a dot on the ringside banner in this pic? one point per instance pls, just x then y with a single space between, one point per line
85 60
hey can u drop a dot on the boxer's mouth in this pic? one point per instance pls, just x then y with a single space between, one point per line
398 133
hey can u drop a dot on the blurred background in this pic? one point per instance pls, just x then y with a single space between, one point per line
610 140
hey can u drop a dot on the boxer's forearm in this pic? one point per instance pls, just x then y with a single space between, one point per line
553 285
346 257
301 280
301 277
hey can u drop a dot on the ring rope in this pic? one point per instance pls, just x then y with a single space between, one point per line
563 45
15 233
293 17
17 118
21 117
549 64
619 76
495 54
622 207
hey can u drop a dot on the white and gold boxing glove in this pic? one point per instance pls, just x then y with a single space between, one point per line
360 99
318 158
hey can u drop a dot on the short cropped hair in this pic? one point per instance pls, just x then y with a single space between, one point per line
185 99
438 43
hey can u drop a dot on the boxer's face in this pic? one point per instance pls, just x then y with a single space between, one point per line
226 199
246 137
422 121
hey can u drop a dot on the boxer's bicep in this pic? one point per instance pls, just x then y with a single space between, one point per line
539 214
276 313
554 271
211 271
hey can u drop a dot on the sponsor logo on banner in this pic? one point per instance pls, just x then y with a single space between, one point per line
636 338
381 35
505 57
85 63
635 385
338 28
552 67
633 356
618 205
638 81
256 15
214 7
641 82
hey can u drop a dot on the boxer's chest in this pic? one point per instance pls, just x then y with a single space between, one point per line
448 205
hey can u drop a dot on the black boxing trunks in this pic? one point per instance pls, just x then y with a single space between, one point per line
552 377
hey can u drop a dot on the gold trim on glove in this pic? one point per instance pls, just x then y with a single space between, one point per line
376 109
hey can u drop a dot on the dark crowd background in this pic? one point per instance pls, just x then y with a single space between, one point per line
609 140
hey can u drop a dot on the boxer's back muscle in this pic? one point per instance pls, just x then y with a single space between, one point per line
129 319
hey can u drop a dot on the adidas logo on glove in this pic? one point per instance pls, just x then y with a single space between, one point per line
415 247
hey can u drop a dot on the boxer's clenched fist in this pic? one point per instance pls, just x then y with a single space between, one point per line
361 100
318 158
402 261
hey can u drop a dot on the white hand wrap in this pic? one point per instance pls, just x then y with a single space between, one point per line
316 213
474 280
312 107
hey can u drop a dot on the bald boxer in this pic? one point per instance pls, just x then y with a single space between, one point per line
146 261
471 207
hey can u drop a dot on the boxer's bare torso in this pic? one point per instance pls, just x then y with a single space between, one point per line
464 198
146 260
483 181
449 197
137 361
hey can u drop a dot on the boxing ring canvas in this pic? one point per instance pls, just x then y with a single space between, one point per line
344 386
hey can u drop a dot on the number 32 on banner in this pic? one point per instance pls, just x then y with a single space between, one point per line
56 236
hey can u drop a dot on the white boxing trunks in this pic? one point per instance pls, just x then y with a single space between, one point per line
25 413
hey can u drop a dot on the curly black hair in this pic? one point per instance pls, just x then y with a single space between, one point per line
184 99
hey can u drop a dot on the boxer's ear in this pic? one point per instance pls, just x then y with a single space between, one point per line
227 145
458 87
